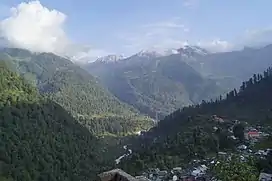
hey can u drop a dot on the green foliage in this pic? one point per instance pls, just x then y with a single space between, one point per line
202 130
4 179
117 125
238 131
75 90
263 144
265 165
235 170
39 139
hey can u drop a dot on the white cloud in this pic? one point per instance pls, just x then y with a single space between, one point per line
84 54
32 26
257 37
158 35
250 38
190 3
165 24
216 45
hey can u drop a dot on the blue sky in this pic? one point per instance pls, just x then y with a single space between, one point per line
127 26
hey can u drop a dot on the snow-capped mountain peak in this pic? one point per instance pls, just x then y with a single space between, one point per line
186 52
156 53
171 51
149 53
110 58
189 51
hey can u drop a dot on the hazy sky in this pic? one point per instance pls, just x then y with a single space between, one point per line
127 26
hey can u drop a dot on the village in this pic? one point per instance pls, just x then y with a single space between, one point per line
199 170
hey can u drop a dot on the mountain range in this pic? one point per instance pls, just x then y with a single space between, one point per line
157 83
53 112
231 68
75 90
152 83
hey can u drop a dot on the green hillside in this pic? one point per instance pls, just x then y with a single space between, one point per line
39 139
74 89
197 132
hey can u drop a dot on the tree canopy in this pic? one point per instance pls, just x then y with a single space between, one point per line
39 139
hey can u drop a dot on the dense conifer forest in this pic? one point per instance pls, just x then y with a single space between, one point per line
39 139
201 130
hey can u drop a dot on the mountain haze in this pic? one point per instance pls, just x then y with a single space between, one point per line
229 69
155 83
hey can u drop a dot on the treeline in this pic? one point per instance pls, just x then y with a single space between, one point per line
40 140
117 125
94 108
198 131
78 94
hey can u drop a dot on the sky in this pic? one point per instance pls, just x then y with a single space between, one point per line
92 28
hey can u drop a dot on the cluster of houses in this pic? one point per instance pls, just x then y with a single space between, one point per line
120 175
199 169
198 173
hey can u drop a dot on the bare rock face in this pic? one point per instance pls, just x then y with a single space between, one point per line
116 175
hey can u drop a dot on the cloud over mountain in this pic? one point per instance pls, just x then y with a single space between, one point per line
216 45
35 27
32 26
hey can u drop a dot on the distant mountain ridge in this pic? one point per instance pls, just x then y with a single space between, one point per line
229 69
110 58
155 83
226 70
186 51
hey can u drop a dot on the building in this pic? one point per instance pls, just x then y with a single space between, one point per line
199 171
265 177
242 147
252 134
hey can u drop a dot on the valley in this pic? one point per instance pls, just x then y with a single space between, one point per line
154 84
157 84
76 91
113 118
208 133
141 90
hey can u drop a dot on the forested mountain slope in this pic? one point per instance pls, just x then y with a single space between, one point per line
39 139
202 130
75 90
60 77
154 84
